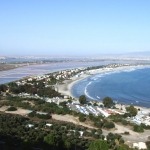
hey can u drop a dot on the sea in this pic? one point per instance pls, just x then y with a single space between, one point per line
130 86
125 86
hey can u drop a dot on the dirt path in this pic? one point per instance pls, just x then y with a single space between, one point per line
72 119
132 137
19 111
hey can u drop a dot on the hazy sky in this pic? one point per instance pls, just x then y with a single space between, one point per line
74 27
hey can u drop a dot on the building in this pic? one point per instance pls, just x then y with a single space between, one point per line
140 145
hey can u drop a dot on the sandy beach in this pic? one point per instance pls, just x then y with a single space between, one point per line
65 88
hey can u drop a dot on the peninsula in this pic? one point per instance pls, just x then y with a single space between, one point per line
48 98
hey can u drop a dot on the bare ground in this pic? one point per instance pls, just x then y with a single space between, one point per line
132 137
72 119
19 111
120 129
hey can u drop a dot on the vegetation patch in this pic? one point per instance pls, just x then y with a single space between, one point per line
11 108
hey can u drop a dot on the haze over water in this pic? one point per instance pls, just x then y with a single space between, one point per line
16 74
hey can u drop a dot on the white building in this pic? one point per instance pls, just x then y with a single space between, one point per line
140 145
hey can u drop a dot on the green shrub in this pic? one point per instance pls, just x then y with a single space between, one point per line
32 114
124 122
43 116
12 108
138 128
82 118
109 125
126 133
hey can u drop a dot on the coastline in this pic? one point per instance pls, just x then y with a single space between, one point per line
6 67
66 87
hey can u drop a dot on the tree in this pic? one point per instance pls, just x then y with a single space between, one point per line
108 102
63 104
50 139
67 144
123 147
95 104
98 145
12 108
53 80
3 88
131 110
82 118
148 144
138 128
109 125
82 99
44 116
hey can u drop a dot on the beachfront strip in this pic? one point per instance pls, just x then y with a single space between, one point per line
55 80
143 115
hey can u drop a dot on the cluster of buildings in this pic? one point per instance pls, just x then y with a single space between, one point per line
56 100
95 110
140 146
143 116
57 76
66 74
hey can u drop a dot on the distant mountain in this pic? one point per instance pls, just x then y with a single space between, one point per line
145 53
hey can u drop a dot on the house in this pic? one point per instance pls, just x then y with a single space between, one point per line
81 133
48 124
140 145
41 113
30 125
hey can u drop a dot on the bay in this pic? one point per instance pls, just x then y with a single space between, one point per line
127 87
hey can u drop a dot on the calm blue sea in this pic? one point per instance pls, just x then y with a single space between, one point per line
126 87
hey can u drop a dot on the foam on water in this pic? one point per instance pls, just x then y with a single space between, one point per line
125 86
86 91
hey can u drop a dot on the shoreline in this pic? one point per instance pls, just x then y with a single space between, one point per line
66 87
7 67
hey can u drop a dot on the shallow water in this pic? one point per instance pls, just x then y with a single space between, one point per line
18 73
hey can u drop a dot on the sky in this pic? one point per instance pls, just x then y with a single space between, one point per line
74 27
